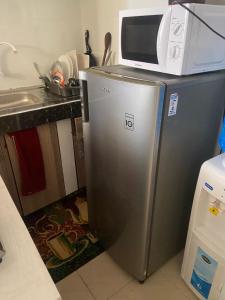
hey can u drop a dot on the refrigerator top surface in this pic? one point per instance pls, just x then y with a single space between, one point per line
154 77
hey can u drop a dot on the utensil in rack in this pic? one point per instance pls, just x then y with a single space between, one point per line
57 73
89 50
41 76
73 82
108 41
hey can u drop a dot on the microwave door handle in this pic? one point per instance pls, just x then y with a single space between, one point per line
163 37
84 101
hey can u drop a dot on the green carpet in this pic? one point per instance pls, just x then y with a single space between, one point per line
62 236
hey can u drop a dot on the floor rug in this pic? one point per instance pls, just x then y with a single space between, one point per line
62 236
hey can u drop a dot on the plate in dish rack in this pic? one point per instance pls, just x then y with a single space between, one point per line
73 55
68 65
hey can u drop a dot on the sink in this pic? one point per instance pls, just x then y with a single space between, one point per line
21 100
18 100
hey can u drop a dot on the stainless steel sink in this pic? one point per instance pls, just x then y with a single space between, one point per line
18 100
21 100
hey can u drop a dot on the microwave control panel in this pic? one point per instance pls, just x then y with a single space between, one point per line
176 38
177 29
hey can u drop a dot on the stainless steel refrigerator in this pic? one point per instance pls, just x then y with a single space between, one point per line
146 136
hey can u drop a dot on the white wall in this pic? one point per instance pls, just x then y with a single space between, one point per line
41 30
219 2
146 3
101 16
44 29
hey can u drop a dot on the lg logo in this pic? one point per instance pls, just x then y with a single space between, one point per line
129 121
129 124
106 90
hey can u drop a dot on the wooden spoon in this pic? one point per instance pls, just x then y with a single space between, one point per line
108 41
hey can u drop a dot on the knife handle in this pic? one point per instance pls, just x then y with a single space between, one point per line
88 47
2 252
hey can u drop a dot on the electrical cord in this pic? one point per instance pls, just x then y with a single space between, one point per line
200 19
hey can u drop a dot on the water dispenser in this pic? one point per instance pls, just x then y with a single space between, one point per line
203 266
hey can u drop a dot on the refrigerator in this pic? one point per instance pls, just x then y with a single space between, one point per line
146 135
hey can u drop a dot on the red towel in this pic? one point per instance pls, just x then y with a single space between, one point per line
30 159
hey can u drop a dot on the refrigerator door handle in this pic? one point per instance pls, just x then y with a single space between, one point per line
84 102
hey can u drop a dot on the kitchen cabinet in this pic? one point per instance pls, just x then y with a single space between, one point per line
66 146
62 151
7 174
53 170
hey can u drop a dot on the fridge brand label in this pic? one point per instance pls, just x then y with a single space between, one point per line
129 121
203 274
173 105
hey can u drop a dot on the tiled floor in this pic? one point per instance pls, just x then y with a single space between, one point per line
102 279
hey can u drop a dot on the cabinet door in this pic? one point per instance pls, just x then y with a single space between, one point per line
55 187
7 175
66 145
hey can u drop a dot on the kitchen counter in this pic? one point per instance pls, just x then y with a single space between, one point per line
51 108
23 275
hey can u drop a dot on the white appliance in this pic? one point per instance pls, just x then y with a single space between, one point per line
204 259
171 40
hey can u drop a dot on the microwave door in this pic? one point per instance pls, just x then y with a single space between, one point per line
139 38
163 38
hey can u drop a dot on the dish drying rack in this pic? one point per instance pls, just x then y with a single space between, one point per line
61 81
65 92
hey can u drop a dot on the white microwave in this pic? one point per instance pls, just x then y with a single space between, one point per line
171 40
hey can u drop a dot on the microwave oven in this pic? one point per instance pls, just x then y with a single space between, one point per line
172 40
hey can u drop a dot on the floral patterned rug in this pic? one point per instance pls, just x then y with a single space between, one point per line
62 236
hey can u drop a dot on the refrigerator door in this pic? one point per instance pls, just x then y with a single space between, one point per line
188 138
121 132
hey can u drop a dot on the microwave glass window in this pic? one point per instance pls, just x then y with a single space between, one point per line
139 38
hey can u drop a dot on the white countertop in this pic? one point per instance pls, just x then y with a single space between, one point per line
23 275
